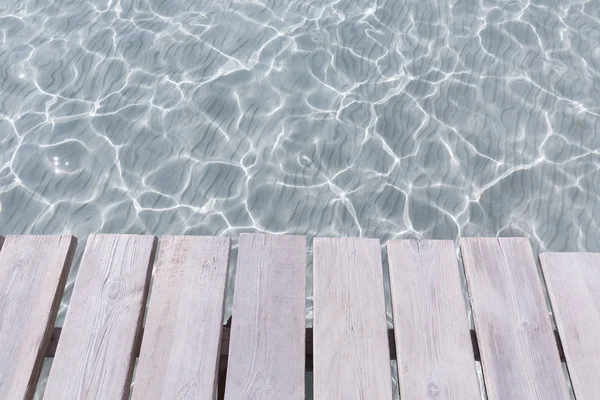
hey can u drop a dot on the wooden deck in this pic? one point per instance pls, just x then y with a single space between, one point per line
183 351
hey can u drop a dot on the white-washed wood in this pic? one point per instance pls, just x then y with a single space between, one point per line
573 281
182 335
433 342
266 348
95 354
351 355
33 273
519 354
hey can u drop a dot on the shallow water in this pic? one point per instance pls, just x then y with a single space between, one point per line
389 119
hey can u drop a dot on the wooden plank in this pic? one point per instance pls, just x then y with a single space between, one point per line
351 354
180 349
435 354
266 348
519 355
573 281
33 273
94 358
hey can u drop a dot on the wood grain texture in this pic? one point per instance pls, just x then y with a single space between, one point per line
351 354
94 358
266 348
573 281
433 342
182 336
33 273
519 354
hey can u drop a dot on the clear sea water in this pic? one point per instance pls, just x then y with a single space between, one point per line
389 118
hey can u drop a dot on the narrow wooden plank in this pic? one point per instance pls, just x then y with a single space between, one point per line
33 273
94 358
433 343
573 281
180 349
266 348
518 352
351 354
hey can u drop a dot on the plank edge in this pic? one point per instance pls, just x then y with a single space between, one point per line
220 346
137 341
49 331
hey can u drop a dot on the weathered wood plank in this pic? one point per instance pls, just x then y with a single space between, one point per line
518 352
95 354
180 349
351 354
573 281
33 273
435 354
266 348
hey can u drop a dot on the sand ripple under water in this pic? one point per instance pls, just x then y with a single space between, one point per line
392 119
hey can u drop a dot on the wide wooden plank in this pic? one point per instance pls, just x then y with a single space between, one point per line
33 273
182 336
433 342
573 281
519 354
94 358
351 354
266 348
